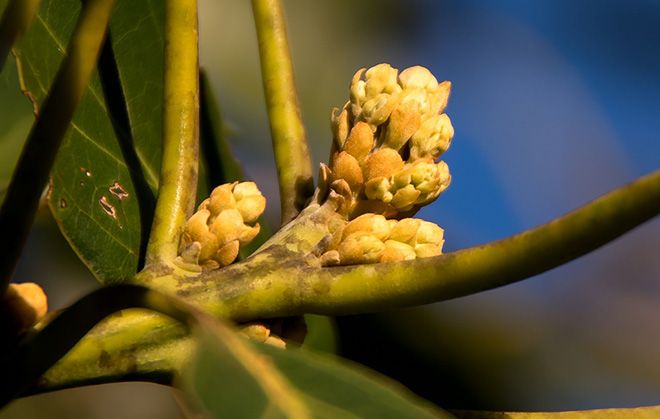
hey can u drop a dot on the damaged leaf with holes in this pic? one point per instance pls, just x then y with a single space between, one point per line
103 184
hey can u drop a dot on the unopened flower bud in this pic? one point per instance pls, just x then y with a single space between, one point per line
360 249
346 167
23 306
405 230
432 139
396 251
384 162
387 138
340 126
404 199
249 201
373 224
213 235
381 78
360 141
378 189
417 77
222 198
429 233
404 122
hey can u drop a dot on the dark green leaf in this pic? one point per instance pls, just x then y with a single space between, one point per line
106 173
228 377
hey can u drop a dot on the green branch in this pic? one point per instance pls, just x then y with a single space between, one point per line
281 281
38 155
363 288
15 21
178 173
294 166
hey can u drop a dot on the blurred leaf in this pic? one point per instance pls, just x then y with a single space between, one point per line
106 173
218 161
321 334
637 413
231 378
228 379
15 120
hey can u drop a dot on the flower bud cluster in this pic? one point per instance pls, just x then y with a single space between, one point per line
371 238
386 140
222 224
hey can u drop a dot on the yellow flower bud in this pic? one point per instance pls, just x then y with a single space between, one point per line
222 198
379 189
375 111
381 78
429 233
404 122
360 249
227 253
428 250
417 77
405 230
360 141
347 167
24 305
396 251
212 236
373 224
358 88
249 201
382 163
404 199
432 139
389 116
197 230
340 126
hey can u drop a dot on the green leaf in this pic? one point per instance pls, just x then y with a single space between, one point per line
229 377
106 174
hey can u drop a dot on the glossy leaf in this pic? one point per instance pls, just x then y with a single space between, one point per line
229 377
105 176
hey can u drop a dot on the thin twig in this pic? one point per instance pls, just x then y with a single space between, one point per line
38 155
294 166
178 173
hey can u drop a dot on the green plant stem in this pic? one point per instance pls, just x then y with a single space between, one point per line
294 166
363 288
178 173
15 21
38 155
271 284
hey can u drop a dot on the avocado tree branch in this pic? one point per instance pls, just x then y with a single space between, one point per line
178 173
364 288
15 20
272 283
294 166
38 155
